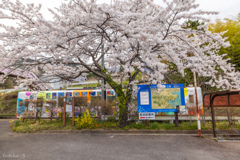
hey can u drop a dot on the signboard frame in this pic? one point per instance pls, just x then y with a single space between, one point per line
148 107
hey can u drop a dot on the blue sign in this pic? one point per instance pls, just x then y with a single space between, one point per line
166 100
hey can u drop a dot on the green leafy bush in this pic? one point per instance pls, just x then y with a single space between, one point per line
17 123
138 125
86 121
154 125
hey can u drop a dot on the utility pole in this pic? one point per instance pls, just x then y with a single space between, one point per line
64 111
103 94
196 97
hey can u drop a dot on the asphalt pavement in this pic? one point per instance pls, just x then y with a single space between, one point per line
98 146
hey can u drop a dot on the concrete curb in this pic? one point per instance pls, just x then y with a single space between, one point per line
103 131
137 132
7 117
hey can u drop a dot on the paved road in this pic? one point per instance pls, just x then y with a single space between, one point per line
111 147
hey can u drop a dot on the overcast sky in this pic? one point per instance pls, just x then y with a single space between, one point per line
226 8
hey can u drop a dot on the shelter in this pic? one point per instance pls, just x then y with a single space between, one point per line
228 98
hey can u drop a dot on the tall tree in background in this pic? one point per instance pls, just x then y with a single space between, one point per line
232 33
231 30
138 36
174 76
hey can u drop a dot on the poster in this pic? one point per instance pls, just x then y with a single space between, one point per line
144 98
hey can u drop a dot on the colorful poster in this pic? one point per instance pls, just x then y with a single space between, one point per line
41 95
92 93
99 93
47 109
84 94
60 94
48 96
54 95
76 94
110 93
69 94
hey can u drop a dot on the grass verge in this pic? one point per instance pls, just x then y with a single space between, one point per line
30 127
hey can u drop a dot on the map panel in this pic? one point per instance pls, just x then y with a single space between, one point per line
167 98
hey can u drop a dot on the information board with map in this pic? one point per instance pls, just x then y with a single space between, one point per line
151 99
167 98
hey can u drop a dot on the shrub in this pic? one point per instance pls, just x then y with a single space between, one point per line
138 125
154 125
111 119
17 123
86 121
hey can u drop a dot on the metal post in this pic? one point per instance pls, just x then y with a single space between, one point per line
198 115
73 110
36 117
147 123
213 117
176 116
103 96
64 111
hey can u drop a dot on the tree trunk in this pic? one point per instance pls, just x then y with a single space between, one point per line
51 116
123 107
124 120
124 100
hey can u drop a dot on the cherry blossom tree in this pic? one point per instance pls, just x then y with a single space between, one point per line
137 36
